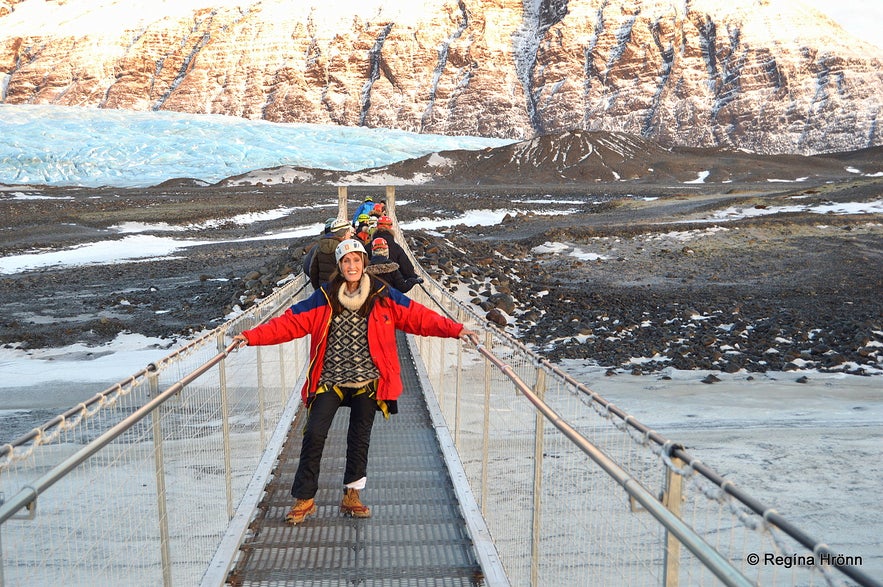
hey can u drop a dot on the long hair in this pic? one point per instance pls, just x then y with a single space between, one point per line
377 290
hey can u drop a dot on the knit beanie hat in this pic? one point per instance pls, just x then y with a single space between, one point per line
380 247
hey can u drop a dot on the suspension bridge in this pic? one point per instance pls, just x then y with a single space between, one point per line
500 469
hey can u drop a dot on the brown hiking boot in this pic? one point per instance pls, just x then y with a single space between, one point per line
300 510
353 506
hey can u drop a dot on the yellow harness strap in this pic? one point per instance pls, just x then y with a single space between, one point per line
370 389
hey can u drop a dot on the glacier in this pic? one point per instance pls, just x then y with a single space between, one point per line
90 147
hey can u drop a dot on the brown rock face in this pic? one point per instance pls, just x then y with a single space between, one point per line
770 77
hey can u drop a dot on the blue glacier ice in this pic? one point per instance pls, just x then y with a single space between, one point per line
70 146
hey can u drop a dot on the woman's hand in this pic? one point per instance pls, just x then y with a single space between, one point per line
467 335
240 340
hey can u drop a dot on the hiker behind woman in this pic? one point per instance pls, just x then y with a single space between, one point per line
353 362
363 237
377 211
396 252
311 250
362 222
323 263
364 208
385 269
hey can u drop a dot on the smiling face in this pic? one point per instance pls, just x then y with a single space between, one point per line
352 265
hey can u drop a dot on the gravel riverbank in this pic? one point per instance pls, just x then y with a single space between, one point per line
637 278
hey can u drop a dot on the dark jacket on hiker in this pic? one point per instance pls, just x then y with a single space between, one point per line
323 263
396 253
308 258
389 272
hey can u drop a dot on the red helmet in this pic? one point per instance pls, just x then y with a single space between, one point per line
379 243
384 221
378 208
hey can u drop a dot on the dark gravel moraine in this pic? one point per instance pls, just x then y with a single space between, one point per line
650 275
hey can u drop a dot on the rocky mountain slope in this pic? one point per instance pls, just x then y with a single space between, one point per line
771 76
585 158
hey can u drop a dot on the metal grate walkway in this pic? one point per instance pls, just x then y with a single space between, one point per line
416 535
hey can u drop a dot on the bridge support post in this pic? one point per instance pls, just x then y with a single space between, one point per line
391 212
440 384
342 212
282 378
225 427
159 469
261 402
536 534
458 390
671 499
2 564
485 440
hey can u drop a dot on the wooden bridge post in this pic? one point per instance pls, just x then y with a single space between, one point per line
160 472
261 400
282 367
391 212
440 384
671 499
457 391
225 427
342 212
485 440
539 439
390 200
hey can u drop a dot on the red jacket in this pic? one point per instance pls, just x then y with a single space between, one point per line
396 312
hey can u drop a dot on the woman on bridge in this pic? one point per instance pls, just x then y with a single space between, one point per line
354 362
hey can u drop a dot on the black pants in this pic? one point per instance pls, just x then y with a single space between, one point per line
358 438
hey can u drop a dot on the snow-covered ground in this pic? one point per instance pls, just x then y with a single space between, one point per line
813 450
141 246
